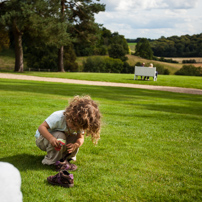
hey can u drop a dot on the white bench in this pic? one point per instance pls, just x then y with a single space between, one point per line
145 71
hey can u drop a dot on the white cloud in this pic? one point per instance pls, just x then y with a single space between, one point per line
152 18
122 5
181 4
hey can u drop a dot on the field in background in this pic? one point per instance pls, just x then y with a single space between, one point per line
197 64
132 47
198 59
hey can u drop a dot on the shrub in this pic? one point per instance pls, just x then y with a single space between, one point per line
166 72
98 64
70 63
113 65
189 61
94 64
39 57
138 64
127 68
189 70
162 59
159 68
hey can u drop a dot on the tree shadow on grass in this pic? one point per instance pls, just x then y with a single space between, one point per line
111 93
26 162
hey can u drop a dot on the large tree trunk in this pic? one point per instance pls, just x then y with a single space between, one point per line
61 50
18 50
60 59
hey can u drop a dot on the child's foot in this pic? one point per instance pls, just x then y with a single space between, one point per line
65 165
63 178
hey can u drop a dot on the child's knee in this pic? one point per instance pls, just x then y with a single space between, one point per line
59 135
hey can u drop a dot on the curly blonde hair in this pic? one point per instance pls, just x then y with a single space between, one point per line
84 114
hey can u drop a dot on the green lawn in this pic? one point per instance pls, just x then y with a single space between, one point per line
150 146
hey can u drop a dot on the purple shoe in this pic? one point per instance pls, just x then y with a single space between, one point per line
63 178
65 165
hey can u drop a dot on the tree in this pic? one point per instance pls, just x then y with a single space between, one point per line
175 46
69 59
119 39
39 18
107 38
106 35
4 38
117 51
143 49
80 14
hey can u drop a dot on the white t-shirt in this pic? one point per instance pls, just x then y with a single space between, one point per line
57 122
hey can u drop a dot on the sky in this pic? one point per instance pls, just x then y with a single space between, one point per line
151 18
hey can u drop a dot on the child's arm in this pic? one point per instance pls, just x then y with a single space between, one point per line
43 130
73 146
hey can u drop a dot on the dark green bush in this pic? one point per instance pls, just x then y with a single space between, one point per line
98 64
70 63
159 68
188 61
139 64
162 59
94 64
113 65
127 68
39 57
189 70
166 72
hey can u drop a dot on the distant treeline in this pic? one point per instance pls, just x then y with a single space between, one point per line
137 40
175 46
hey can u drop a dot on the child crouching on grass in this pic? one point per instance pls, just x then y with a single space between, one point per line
62 133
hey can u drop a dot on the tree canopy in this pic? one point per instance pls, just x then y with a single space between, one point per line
53 23
40 19
178 46
143 49
4 38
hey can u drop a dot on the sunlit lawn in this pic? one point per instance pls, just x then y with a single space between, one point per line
150 146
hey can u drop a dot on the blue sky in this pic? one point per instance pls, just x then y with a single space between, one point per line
152 18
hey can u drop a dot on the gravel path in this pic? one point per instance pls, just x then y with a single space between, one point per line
100 83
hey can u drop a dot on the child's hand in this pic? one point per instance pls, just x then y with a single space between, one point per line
72 147
61 143
54 142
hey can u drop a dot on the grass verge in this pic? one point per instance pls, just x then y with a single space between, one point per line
150 147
